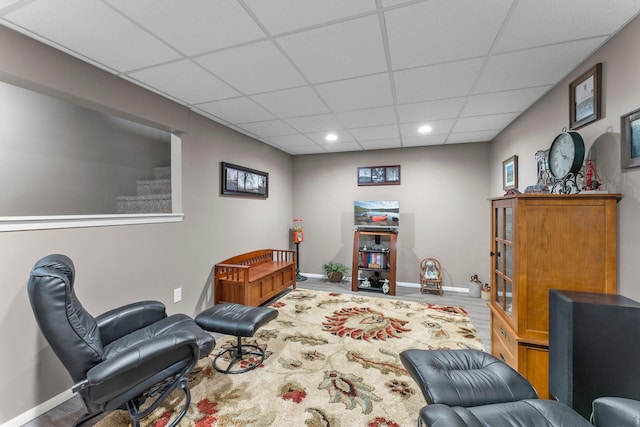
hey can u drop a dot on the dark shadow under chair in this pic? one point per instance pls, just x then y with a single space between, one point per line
471 388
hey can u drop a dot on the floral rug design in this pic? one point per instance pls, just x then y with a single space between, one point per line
332 361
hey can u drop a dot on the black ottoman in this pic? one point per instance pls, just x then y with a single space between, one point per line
239 321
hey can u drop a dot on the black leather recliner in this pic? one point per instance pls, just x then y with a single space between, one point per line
471 388
122 357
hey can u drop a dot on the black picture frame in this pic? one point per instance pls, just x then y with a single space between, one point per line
379 175
242 181
510 173
630 140
585 98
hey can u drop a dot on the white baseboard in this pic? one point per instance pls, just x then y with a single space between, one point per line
405 284
42 408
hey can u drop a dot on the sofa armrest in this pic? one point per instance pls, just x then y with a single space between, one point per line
439 415
616 411
123 320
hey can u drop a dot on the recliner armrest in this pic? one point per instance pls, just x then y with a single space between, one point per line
123 320
616 411
133 371
440 415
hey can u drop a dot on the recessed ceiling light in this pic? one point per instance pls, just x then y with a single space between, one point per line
331 137
425 129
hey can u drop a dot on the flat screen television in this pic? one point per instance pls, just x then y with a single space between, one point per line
376 213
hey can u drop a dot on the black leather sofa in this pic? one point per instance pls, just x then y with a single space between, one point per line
471 388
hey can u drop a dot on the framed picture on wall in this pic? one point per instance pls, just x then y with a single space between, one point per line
630 140
240 181
584 98
510 173
379 175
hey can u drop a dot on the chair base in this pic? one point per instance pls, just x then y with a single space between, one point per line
240 353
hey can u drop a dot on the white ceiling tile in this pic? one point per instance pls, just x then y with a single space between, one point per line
522 69
467 137
478 123
7 3
320 137
375 132
431 110
238 67
194 27
269 128
290 140
92 29
439 127
503 102
236 110
342 147
381 144
439 31
306 149
448 80
319 123
292 102
546 22
416 141
367 117
338 51
357 93
300 14
195 85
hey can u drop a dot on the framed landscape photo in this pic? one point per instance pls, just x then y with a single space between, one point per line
379 175
240 181
510 173
585 98
630 140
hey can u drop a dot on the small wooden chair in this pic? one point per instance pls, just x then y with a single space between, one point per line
430 275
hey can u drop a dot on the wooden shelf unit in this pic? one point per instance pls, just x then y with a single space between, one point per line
542 242
372 261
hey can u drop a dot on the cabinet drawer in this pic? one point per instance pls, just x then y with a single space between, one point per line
503 343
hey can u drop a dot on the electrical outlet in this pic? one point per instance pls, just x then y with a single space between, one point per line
177 295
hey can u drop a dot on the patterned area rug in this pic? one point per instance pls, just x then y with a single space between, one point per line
332 361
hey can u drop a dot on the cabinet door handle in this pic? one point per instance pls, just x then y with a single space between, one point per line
502 332
502 357
492 253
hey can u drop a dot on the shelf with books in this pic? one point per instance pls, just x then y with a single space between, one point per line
374 261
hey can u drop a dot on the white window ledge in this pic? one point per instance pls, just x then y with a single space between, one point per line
21 223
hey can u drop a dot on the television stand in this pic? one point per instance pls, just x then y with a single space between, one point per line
374 261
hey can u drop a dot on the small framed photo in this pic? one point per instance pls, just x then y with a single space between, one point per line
510 173
240 181
630 140
379 175
585 98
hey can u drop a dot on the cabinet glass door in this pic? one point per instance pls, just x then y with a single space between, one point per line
503 256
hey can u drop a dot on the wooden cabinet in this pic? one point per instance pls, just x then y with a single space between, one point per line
374 260
542 242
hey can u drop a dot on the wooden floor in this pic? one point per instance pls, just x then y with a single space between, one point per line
67 413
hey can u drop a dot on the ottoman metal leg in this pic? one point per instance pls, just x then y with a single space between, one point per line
238 354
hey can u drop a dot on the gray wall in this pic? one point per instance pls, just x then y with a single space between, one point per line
444 211
120 264
537 128
59 158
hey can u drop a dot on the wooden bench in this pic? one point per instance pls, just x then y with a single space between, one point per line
254 277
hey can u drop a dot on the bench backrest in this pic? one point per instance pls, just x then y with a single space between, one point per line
251 258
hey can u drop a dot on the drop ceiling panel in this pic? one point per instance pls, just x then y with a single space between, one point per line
269 128
367 117
522 69
319 123
416 141
380 144
194 27
375 132
342 147
439 127
442 81
92 29
319 137
467 137
503 102
359 93
292 102
237 110
290 140
238 68
307 13
443 30
432 110
196 85
338 51
546 22
480 123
